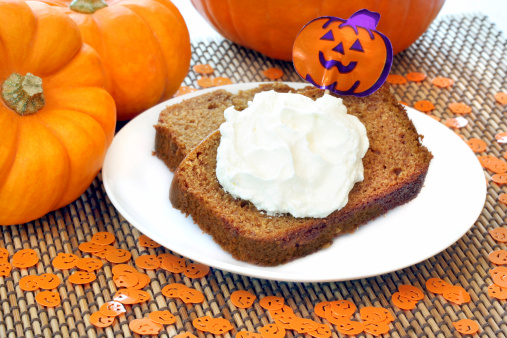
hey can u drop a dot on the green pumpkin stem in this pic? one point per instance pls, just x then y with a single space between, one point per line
87 6
23 94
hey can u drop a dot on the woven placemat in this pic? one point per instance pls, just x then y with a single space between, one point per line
468 49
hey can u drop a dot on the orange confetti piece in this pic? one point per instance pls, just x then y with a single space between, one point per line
145 326
477 145
205 82
503 198
187 334
495 164
5 269
442 82
376 314
456 122
143 281
147 242
172 290
350 327
219 326
424 106
89 264
162 317
243 299
203 69
402 302
82 277
148 262
501 137
343 307
4 255
466 326
201 323
273 73
437 285
412 292
126 296
172 263
90 247
416 77
48 298
499 234
303 325
247 334
100 320
105 250
272 303
191 295
103 238
122 268
284 319
376 329
501 98
48 281
29 283
25 258
112 309
499 178
396 79
497 292
498 257
457 294
118 255
322 331
65 261
320 309
126 280
272 331
221 81
184 90
143 296
196 270
460 108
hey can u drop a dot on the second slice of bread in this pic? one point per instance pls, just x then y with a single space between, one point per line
395 166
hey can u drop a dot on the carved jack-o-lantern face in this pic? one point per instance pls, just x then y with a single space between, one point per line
348 57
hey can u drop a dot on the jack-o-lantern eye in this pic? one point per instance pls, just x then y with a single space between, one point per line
329 36
339 48
356 46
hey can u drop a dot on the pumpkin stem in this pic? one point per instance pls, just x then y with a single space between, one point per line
87 6
23 94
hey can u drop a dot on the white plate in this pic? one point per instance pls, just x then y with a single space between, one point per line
452 198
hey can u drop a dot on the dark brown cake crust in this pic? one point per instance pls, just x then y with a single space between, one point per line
395 168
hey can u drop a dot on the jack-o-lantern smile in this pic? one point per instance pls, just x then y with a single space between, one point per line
348 57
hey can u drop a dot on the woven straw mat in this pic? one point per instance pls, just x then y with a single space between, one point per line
468 49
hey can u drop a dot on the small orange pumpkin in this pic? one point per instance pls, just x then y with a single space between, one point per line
56 118
270 27
144 44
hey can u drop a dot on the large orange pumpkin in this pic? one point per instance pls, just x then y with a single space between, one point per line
56 118
144 45
271 26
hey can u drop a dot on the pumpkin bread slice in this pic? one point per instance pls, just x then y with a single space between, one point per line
395 167
182 126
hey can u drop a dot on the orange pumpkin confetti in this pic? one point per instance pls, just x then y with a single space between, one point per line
191 295
105 250
103 238
118 255
501 137
320 309
48 281
303 325
402 302
25 258
498 257
145 326
29 283
322 331
172 263
396 79
142 296
201 323
65 261
205 82
48 298
100 320
499 234
477 145
203 69
122 268
457 294
162 317
126 280
147 242
456 122
272 303
219 326
150 262
89 264
196 270
442 82
494 164
143 281
243 299
272 331
502 198
273 73
350 327
172 290
343 307
375 314
376 329
416 77
184 90
499 178
5 269
112 309
187 334
424 106
466 326
497 292
460 108
126 296
90 247
437 285
221 81
247 334
411 292
500 277
284 320
82 277
4 255
501 98
285 310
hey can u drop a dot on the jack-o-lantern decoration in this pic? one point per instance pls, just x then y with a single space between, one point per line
347 57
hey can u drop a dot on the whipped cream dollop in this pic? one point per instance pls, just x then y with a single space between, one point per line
287 153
